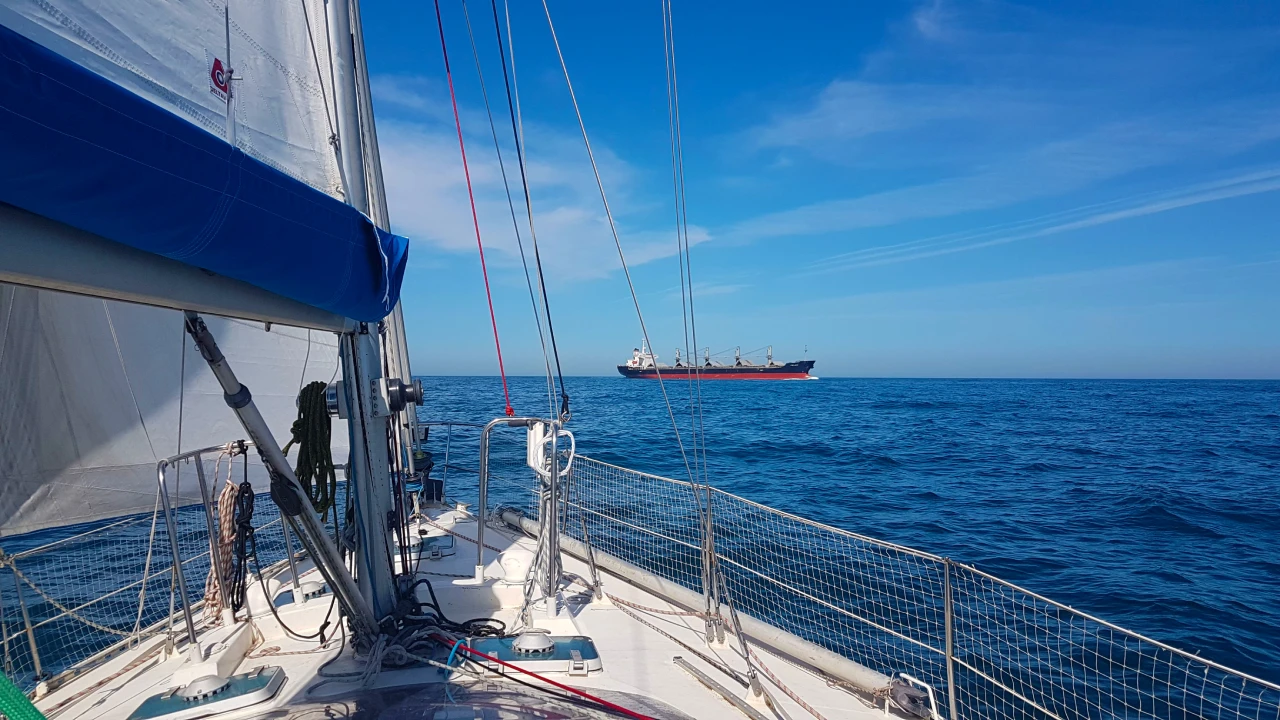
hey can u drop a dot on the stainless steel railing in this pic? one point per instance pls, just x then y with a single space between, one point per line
75 601
238 447
989 648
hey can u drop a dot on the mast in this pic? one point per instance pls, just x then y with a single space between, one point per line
397 339
347 105
359 351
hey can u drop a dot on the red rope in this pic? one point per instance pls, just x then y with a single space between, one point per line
475 219
549 681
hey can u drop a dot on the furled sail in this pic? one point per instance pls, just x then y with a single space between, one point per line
94 392
117 146
113 121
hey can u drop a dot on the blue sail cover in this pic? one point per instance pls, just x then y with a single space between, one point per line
82 150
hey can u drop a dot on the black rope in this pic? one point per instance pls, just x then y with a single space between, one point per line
524 180
313 432
324 624
475 627
246 544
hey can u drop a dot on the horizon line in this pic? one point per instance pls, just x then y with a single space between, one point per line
1099 378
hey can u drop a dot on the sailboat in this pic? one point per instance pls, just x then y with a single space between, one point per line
192 206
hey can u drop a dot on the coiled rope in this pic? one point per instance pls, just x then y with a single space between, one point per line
313 432
245 546
214 597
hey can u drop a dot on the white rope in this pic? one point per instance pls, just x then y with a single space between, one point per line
129 383
215 596
146 566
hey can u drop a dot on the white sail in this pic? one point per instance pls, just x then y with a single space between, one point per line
90 393
90 389
166 52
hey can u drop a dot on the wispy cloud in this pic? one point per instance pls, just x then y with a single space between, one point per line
1052 224
1032 110
1057 168
703 290
1111 287
848 111
427 190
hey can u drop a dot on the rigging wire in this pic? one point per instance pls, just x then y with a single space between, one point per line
129 383
617 241
515 224
512 86
302 379
697 430
324 97
475 219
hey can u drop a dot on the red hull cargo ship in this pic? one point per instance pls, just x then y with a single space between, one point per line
644 364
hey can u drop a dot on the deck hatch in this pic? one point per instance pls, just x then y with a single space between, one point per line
242 691
571 654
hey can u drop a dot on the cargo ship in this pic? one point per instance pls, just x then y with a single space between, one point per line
644 364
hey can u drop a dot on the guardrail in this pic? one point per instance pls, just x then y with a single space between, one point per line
71 603
459 454
989 648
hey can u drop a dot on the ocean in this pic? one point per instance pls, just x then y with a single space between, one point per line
1151 504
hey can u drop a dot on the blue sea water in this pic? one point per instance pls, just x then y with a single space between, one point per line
1152 504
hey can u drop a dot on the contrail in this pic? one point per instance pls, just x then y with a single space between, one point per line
1052 224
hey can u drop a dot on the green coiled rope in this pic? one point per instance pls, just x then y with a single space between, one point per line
312 432
15 705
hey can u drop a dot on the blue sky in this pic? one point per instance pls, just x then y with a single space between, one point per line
904 189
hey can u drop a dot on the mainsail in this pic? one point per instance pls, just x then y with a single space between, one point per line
115 120
123 152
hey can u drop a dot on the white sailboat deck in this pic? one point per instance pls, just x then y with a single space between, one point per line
828 614
637 660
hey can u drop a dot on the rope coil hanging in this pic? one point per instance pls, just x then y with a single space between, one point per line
313 433
215 599
246 544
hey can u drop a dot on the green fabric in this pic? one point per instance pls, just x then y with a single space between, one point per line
14 704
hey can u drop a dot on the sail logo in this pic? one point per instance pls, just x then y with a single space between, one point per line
219 77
